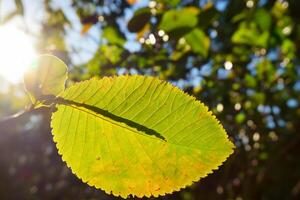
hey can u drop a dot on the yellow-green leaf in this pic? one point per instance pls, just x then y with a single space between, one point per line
47 76
137 135
113 36
198 41
174 20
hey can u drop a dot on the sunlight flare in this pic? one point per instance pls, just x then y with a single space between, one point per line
16 53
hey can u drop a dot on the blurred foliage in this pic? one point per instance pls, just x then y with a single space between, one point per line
240 57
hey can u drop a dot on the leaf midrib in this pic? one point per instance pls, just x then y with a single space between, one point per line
117 120
133 129
111 118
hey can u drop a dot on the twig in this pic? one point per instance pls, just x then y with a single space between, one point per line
21 114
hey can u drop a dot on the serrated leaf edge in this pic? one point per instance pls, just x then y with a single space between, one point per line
188 183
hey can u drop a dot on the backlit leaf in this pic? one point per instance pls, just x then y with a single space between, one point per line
47 76
137 135
249 34
198 41
113 37
263 19
179 20
171 2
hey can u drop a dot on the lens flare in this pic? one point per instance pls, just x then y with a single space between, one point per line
16 53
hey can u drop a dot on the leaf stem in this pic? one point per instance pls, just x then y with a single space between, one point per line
29 110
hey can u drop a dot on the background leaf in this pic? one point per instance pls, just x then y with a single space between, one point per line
120 157
140 18
179 20
198 41
113 37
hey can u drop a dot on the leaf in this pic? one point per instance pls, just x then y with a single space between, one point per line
142 32
248 34
137 135
179 20
250 81
113 37
240 118
104 58
47 76
263 19
112 53
170 2
140 18
198 41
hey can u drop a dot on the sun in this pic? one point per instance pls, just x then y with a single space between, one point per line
16 53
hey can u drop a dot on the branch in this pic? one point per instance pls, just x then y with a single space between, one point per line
21 114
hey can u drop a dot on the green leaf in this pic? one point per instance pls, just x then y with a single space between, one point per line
198 41
250 81
47 76
249 34
113 37
170 2
179 20
137 135
240 118
112 53
263 19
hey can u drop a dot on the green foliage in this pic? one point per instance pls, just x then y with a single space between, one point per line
249 79
249 34
263 19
